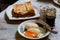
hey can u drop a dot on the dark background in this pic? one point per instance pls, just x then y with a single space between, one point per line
5 3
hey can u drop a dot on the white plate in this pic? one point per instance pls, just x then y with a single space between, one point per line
9 14
56 1
21 28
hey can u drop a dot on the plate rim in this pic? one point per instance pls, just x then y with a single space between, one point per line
56 1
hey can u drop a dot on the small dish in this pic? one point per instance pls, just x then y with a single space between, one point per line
56 1
21 29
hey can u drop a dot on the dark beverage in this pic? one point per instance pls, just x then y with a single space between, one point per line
50 16
50 20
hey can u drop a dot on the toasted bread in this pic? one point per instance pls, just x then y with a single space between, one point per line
20 9
23 10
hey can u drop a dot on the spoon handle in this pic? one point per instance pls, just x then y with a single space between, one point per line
46 25
55 32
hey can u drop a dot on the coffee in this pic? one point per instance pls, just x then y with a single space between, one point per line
50 17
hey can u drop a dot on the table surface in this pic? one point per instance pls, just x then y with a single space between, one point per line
8 28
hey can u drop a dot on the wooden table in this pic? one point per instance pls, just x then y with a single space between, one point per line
8 28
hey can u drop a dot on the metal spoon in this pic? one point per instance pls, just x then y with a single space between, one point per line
46 26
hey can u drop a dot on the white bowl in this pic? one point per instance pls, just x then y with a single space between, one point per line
22 26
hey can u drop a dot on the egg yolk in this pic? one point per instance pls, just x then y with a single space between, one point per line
30 34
